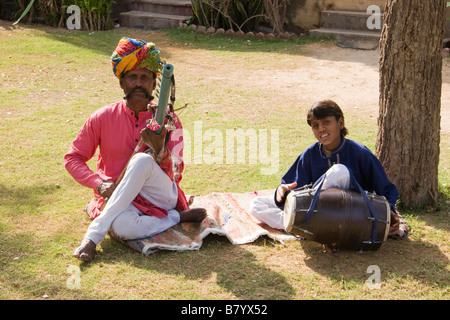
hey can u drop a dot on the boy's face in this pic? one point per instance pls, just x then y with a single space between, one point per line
328 131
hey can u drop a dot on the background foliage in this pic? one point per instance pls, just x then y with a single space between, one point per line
95 14
245 15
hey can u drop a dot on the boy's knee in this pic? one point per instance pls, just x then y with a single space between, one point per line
337 176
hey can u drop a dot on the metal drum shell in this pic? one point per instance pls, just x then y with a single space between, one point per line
341 219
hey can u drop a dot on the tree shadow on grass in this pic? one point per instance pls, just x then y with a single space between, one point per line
419 260
435 219
26 199
218 262
104 42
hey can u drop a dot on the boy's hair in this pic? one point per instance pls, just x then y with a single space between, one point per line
323 109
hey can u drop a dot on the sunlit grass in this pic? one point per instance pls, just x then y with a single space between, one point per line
51 80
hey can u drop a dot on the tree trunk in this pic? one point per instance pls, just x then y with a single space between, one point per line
410 97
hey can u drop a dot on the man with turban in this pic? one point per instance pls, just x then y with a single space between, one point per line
148 200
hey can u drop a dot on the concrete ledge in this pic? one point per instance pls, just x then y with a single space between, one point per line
353 39
171 7
351 20
343 33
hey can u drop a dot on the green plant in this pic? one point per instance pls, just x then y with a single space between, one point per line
242 15
95 14
27 9
52 11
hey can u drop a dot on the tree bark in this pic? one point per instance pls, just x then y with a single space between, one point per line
410 97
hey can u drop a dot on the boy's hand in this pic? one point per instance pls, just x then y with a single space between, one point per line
282 188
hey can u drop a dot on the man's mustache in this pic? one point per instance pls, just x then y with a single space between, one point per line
134 89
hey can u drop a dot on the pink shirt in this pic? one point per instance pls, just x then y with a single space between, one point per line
115 130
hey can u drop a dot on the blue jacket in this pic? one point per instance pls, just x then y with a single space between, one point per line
366 168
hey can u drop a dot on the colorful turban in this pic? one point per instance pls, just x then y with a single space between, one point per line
132 54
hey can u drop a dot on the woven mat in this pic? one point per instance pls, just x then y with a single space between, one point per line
228 215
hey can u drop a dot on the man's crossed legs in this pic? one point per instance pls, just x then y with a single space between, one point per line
144 177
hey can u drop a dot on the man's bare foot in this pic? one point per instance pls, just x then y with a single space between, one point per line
193 215
86 251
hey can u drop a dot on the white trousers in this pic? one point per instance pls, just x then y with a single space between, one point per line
143 176
265 209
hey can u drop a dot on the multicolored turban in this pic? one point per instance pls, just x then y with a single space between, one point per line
132 54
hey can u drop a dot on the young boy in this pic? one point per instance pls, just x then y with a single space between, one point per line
327 123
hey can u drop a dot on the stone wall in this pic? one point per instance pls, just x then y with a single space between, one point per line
358 4
118 7
304 15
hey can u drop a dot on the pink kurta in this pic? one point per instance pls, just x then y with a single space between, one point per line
116 131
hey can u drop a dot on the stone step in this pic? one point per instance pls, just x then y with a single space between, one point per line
170 7
349 20
150 20
355 39
345 33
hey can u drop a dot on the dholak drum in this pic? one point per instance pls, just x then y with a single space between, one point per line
339 218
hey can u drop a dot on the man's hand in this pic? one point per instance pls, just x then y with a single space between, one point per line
106 189
282 188
153 140
193 215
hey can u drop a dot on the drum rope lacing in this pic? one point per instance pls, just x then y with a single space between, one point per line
355 183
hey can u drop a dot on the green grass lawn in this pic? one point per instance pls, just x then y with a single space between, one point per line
51 80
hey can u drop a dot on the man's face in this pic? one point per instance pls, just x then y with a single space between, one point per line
138 84
328 131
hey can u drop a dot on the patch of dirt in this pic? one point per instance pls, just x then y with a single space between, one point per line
321 71
348 76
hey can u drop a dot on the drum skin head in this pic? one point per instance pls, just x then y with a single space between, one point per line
289 211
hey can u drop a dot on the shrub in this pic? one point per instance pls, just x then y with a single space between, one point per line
95 14
245 15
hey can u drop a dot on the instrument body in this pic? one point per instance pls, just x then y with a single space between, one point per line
163 97
340 219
